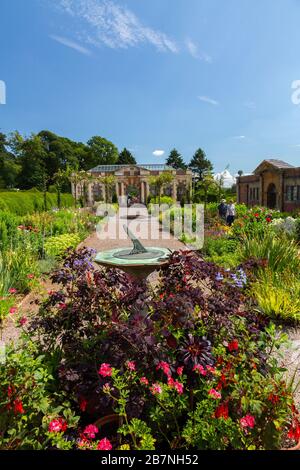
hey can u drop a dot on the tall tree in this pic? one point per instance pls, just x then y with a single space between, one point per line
175 160
200 164
9 167
126 158
101 152
32 156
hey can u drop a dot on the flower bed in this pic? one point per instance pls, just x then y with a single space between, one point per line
184 365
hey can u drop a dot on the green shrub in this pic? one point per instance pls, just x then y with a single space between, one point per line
56 246
163 200
278 295
280 252
27 202
28 403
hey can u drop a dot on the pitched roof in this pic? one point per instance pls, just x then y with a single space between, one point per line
279 163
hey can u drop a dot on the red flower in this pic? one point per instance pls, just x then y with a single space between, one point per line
57 425
268 219
22 321
82 404
294 432
233 345
199 368
105 370
30 276
273 398
18 407
104 444
90 431
12 291
164 366
247 421
144 381
256 215
61 306
13 310
222 411
180 370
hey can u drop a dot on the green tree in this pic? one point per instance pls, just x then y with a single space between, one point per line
32 158
175 160
101 152
126 158
207 185
109 184
160 181
9 167
200 164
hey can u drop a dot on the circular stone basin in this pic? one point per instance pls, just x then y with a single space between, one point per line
139 265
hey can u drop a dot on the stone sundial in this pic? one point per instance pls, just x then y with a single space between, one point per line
138 260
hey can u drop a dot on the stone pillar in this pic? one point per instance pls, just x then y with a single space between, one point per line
142 192
147 191
174 190
261 190
90 194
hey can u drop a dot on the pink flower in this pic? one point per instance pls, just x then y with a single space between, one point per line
178 387
57 425
213 393
180 370
200 369
22 321
90 431
164 366
247 421
171 382
104 444
130 365
30 276
13 310
156 389
144 380
12 291
105 370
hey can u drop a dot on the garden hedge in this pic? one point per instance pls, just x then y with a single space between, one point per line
28 202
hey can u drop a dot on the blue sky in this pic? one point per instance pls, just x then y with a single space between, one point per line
156 74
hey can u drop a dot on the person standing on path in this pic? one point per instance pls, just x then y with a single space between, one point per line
230 213
222 208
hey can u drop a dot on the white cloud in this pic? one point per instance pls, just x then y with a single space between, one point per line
114 25
158 153
73 45
240 137
207 99
195 52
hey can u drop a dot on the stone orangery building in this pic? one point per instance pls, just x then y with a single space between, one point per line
133 180
274 184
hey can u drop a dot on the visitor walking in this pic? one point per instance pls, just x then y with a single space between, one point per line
230 213
222 208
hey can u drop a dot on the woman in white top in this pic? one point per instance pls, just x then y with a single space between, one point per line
230 213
